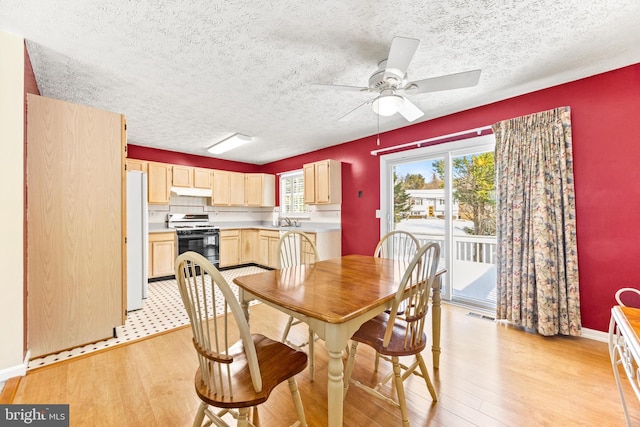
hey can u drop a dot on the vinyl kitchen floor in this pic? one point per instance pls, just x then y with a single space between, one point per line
162 311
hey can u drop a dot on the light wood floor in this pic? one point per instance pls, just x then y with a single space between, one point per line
491 374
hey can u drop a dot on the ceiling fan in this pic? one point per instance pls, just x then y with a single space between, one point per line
390 82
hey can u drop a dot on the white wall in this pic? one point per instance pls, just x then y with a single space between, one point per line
12 202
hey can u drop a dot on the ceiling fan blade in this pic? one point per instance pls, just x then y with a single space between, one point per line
353 113
409 111
400 55
341 87
450 81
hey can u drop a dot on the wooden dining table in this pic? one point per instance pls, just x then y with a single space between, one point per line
335 297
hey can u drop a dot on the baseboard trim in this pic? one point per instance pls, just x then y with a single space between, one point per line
593 334
16 371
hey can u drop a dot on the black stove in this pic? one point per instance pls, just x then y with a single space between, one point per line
195 233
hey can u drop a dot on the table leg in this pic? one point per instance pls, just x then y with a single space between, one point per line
435 322
335 385
244 304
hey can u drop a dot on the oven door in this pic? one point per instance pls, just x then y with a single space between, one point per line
206 243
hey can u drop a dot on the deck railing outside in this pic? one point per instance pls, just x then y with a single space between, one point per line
467 248
473 274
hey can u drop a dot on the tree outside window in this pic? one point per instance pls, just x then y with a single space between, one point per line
474 186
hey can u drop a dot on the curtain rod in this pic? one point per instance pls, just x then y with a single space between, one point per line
435 138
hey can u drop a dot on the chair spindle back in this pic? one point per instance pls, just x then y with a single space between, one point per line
412 298
217 322
397 244
296 248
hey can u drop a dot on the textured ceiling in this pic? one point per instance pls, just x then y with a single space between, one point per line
189 73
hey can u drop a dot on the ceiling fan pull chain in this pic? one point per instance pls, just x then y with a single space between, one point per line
378 129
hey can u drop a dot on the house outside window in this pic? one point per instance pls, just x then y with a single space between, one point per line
292 194
430 203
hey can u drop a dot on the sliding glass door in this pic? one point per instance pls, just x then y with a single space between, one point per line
446 193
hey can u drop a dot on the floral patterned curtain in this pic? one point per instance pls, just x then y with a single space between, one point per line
536 232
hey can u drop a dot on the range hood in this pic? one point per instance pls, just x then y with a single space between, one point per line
194 192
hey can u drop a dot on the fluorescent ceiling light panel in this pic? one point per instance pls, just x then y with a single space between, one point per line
230 143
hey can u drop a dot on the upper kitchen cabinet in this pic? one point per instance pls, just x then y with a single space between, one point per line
239 189
228 188
202 178
236 189
182 176
323 182
159 182
260 189
220 194
191 177
136 165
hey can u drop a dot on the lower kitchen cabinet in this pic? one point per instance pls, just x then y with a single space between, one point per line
162 254
269 248
259 246
250 248
229 248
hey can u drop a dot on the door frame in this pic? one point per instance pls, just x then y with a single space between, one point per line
447 151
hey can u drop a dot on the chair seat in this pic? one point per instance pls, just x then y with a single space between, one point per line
372 333
277 361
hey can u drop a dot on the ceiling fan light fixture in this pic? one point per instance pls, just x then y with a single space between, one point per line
387 105
234 141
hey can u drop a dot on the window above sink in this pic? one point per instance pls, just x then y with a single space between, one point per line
292 195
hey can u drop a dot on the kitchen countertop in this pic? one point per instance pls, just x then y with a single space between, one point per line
160 228
309 227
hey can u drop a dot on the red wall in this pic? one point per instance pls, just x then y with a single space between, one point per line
605 111
176 158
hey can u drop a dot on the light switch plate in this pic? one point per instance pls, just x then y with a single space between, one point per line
378 213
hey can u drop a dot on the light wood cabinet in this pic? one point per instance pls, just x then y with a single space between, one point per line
228 188
159 176
249 239
136 165
260 246
236 189
162 254
191 177
269 248
259 189
182 176
220 194
202 178
240 189
229 248
76 258
323 182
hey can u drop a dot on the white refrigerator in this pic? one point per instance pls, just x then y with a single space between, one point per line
137 239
